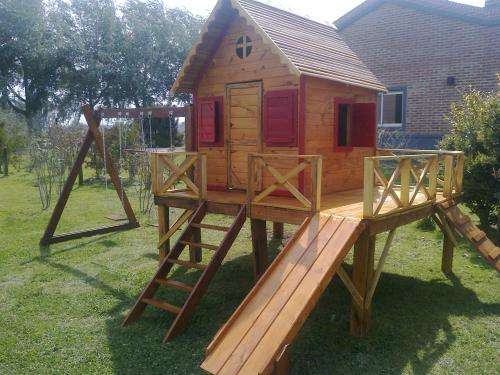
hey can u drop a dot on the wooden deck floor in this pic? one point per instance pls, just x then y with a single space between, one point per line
345 203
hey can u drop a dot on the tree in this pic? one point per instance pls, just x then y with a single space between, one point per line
475 129
12 135
156 42
34 50
96 58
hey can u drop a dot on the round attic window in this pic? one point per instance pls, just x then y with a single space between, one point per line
243 46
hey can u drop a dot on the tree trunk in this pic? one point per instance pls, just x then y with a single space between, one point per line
80 177
5 161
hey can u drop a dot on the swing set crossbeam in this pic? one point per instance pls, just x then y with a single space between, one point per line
155 112
93 135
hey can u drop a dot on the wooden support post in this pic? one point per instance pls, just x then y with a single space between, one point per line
405 181
433 173
277 230
448 176
195 254
163 227
259 245
368 182
459 173
447 259
316 179
362 276
202 169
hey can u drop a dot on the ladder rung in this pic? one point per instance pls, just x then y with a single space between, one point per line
478 235
463 220
200 245
175 284
210 226
494 253
162 305
188 264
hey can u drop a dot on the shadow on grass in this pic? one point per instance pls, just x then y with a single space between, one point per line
411 327
411 324
46 250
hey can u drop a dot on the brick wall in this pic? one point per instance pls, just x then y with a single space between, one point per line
419 50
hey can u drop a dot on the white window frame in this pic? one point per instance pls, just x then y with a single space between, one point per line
391 125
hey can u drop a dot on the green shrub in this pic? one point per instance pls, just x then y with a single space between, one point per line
475 129
426 224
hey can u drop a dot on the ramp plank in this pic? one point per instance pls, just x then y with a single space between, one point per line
259 297
274 311
298 307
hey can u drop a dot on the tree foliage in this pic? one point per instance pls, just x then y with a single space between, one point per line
13 135
475 129
33 53
56 55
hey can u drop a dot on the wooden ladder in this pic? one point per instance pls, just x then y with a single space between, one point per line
198 290
466 228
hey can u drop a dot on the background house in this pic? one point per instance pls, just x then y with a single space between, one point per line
425 52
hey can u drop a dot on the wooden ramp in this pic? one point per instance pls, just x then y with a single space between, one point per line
473 234
196 291
275 309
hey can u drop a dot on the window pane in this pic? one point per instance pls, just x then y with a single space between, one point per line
343 133
392 110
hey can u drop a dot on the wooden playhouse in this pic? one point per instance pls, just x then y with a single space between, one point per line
283 129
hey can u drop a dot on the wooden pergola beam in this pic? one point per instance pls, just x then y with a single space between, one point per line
155 112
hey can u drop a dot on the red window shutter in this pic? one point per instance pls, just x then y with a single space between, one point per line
210 121
364 124
280 118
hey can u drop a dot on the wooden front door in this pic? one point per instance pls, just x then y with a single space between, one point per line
244 129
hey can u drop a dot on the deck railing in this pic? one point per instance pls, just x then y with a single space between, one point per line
409 178
180 173
282 181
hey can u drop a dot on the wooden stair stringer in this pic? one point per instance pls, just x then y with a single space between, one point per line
476 237
164 267
276 308
202 284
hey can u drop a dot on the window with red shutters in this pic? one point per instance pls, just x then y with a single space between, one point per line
280 118
364 118
210 121
342 125
354 124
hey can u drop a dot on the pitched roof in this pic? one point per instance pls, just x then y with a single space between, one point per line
488 16
307 47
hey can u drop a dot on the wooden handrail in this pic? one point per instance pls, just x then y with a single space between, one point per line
181 166
414 180
282 181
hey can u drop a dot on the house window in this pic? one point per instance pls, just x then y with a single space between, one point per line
210 121
243 46
392 106
354 124
344 125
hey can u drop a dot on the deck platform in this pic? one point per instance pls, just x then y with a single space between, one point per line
348 204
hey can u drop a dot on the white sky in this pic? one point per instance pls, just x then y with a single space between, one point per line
325 11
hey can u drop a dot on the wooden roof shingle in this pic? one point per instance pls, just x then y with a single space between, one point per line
307 47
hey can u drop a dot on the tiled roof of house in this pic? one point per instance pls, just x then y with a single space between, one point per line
308 47
488 16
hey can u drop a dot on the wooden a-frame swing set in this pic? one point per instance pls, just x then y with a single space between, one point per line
93 119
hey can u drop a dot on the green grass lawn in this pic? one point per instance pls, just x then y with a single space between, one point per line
61 307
